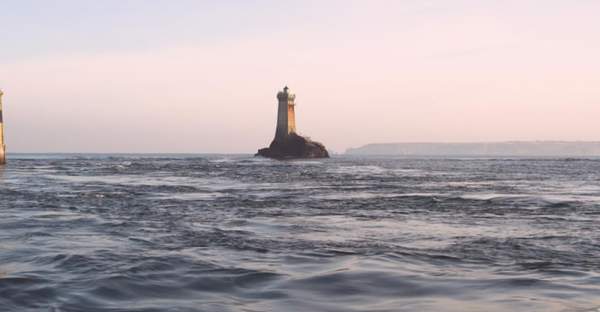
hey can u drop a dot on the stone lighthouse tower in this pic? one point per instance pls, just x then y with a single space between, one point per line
2 146
286 116
287 144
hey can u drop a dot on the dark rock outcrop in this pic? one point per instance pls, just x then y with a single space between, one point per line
294 146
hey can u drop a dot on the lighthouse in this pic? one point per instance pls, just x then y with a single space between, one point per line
286 116
287 144
2 146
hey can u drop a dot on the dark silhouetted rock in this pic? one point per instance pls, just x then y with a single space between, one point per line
294 146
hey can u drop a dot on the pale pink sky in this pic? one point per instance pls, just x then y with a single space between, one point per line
202 77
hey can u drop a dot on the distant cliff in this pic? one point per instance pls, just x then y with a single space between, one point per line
522 148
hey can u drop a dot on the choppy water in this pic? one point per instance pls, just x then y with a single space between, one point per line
236 233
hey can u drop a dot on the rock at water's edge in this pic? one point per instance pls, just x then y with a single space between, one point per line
294 146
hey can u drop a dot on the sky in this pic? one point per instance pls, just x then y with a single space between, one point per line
192 76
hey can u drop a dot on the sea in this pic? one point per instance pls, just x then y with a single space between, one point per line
240 233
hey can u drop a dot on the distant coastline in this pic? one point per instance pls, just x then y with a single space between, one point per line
508 148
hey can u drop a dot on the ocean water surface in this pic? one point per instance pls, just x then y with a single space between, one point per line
238 233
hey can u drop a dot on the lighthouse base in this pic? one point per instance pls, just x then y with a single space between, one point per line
294 147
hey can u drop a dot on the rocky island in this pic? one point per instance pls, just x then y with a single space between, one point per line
287 144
